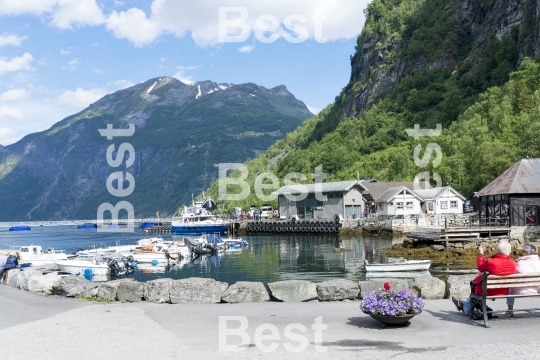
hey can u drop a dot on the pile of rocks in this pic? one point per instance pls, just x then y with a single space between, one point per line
487 243
204 291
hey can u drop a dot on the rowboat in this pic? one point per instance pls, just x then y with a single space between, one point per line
408 265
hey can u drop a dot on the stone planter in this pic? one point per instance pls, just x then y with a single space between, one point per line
403 320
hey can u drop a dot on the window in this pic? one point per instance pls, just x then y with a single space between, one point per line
399 205
409 205
348 211
530 215
453 204
444 205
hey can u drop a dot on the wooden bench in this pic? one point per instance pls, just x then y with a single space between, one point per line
498 282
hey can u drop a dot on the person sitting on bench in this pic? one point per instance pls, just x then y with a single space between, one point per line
499 264
528 263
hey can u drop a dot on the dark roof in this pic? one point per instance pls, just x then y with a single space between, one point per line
376 189
325 187
522 178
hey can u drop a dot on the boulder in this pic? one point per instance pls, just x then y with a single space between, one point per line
340 289
245 291
438 247
158 291
293 290
73 286
459 285
19 278
429 287
197 291
44 284
130 291
107 290
370 286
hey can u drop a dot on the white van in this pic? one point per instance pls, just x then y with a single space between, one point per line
267 212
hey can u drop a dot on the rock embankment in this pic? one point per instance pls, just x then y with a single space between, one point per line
206 291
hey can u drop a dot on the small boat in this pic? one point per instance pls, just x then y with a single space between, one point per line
154 253
147 225
87 226
35 255
97 267
20 228
407 265
205 244
395 274
233 243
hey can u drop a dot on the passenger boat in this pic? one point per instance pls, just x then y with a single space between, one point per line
35 255
407 265
197 220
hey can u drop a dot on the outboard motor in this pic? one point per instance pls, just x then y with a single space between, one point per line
113 265
131 264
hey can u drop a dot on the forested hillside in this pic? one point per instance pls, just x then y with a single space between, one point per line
467 65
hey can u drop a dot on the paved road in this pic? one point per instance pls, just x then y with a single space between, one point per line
37 327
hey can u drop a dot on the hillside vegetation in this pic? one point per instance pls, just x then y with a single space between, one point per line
482 88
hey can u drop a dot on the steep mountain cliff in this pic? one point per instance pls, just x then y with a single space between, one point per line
426 62
182 131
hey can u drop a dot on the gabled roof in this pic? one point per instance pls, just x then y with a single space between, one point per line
391 193
376 189
325 187
522 178
435 193
423 195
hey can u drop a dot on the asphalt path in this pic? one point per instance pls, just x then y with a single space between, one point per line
38 327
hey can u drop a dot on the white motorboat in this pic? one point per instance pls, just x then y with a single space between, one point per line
395 274
407 265
235 243
84 267
35 255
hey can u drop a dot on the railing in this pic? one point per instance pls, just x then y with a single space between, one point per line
80 222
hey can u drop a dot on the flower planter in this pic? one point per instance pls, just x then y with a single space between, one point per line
393 320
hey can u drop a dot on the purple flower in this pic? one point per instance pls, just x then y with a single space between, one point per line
387 302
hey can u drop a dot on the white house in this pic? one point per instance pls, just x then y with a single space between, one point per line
402 200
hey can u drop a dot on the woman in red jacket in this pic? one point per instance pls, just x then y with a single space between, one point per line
499 264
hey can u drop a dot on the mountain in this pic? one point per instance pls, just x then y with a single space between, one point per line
182 131
463 64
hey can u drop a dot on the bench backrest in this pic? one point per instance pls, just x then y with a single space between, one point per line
513 281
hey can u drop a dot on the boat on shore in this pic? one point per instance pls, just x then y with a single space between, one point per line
401 266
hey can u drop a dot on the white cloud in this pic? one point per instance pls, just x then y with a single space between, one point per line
313 110
7 136
344 19
14 40
69 13
246 49
71 65
119 85
99 71
183 77
12 113
64 52
134 26
14 95
80 98
16 64
63 14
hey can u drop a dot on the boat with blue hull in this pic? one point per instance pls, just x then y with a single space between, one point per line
87 226
19 228
196 220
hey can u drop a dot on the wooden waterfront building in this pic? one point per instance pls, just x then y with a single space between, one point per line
513 197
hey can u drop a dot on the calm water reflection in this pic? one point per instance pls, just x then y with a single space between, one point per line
267 258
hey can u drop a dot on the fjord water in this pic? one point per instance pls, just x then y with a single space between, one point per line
268 258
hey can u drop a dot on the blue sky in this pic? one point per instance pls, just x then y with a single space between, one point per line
59 56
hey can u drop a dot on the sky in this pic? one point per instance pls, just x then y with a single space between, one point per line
59 56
